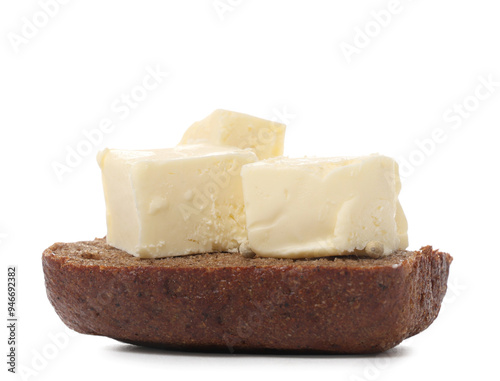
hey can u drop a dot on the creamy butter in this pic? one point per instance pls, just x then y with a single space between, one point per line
177 201
299 208
227 128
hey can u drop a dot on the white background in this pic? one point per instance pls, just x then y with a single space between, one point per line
267 58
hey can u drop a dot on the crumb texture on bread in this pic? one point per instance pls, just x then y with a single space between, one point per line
225 302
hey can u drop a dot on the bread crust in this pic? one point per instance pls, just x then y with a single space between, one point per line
224 302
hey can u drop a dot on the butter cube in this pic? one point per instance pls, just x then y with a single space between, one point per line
178 201
298 208
227 128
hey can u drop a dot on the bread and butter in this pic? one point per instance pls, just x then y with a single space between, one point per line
221 243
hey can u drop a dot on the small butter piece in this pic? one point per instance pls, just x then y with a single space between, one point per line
178 201
227 128
299 208
245 250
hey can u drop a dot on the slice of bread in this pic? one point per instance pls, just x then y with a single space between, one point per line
225 302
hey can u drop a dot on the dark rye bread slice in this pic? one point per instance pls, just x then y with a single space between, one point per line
225 302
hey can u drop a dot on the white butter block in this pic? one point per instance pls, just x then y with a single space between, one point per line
178 201
227 128
298 208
